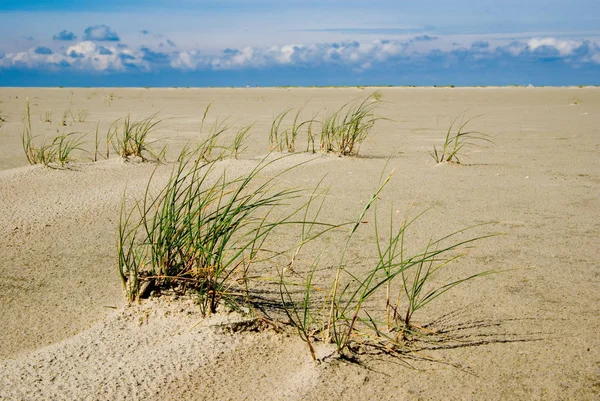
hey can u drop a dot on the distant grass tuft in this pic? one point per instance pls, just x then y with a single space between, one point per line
456 141
347 128
59 150
131 138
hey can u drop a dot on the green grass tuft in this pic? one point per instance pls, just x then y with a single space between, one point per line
456 141
131 139
407 281
202 232
347 128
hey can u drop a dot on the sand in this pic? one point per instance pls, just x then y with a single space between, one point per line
530 332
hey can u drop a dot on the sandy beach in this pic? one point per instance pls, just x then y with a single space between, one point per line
529 331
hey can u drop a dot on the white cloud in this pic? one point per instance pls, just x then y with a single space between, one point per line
90 56
564 47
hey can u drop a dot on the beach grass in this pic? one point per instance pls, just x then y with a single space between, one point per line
81 116
342 131
408 281
47 116
348 127
454 142
239 142
58 151
202 232
131 139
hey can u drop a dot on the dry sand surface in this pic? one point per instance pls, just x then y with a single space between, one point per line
531 331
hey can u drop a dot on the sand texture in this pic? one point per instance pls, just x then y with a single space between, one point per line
530 331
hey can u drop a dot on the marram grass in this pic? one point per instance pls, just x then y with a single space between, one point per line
203 232
454 142
58 151
407 281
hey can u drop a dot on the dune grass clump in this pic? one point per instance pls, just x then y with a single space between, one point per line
407 281
285 140
348 127
202 232
65 117
131 139
81 116
341 132
47 117
456 141
59 150
209 149
238 145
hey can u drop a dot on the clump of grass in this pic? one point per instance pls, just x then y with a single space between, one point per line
347 128
345 320
286 140
59 150
202 232
131 138
65 117
47 117
108 99
81 116
237 146
65 145
456 141
206 150
275 136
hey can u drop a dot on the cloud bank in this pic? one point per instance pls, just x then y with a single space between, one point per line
356 59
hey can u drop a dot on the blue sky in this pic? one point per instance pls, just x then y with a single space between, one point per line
269 43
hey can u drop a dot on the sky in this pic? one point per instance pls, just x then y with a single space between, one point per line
299 43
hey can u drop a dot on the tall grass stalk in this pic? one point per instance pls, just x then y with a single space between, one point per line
275 136
27 136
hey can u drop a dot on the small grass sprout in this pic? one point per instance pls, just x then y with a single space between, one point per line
65 117
456 141
81 116
47 117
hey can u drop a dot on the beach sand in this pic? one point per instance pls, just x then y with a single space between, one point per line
530 331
